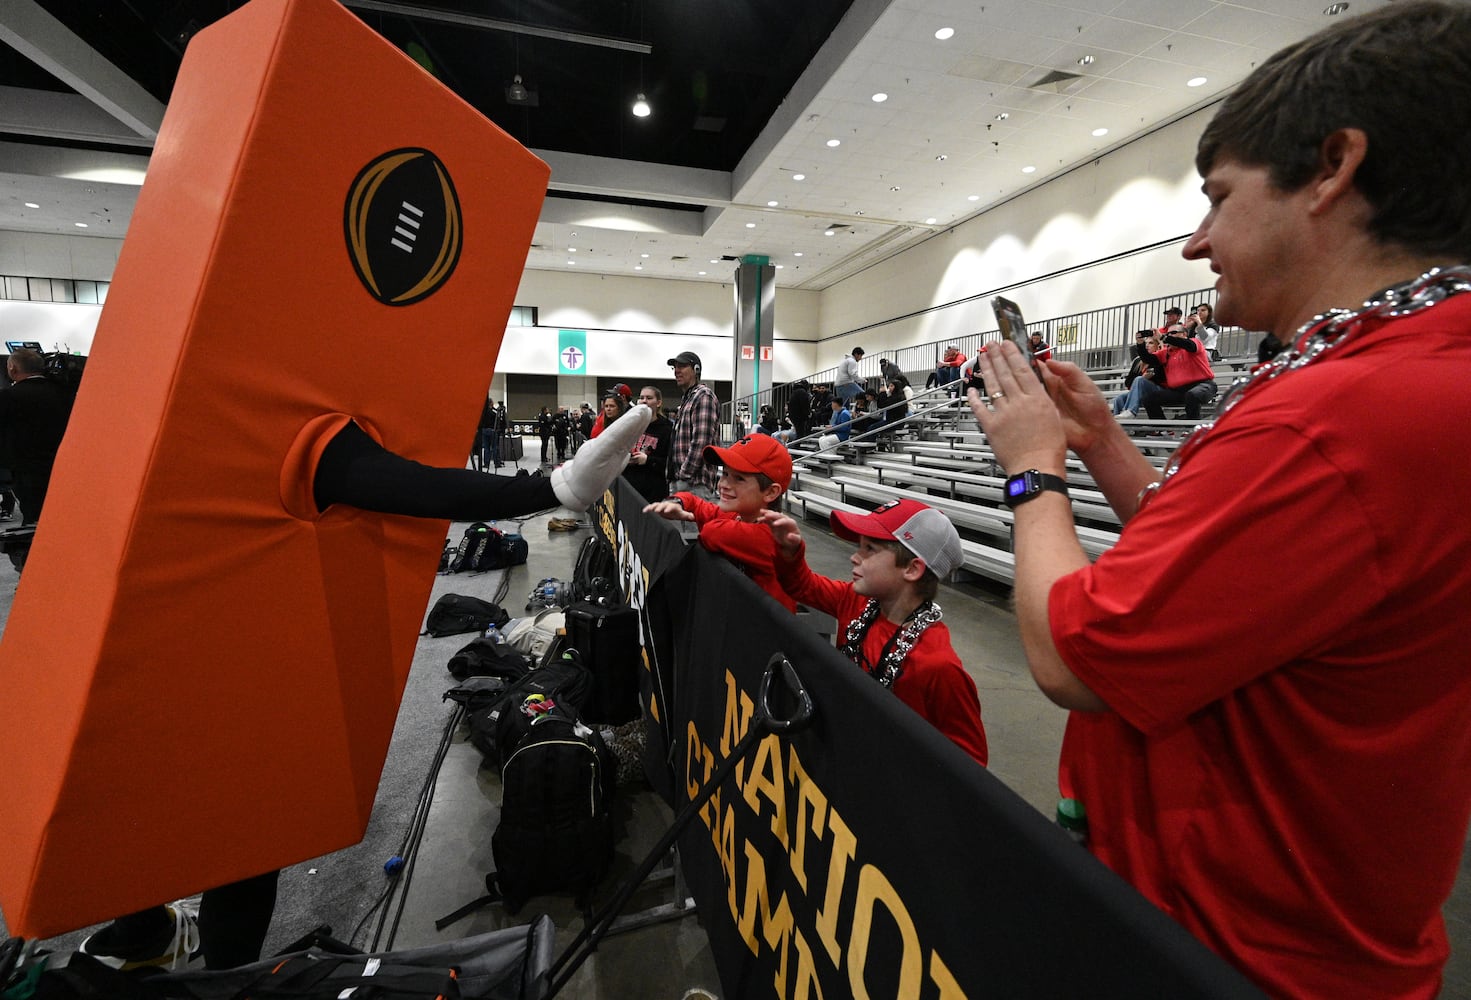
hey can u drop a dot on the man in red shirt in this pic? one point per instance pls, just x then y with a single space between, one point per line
1287 774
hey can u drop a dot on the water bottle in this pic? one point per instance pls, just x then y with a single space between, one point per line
494 635
1073 818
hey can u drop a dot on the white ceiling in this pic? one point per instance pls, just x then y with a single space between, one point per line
930 156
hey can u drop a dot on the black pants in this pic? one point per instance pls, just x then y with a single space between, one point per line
233 921
30 490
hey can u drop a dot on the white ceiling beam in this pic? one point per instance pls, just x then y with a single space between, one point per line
602 175
48 43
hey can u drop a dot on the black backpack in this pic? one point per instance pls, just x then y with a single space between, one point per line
556 831
483 657
453 614
565 681
595 574
483 548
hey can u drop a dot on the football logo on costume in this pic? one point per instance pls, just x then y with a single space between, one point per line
403 226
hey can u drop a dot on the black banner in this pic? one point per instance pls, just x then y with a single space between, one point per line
868 856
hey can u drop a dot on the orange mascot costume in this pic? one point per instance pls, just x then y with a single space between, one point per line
191 637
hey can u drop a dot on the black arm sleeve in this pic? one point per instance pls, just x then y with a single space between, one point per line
1189 343
357 471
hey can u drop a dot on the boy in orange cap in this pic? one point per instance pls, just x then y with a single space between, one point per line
888 621
757 471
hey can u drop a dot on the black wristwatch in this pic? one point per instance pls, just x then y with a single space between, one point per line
1025 485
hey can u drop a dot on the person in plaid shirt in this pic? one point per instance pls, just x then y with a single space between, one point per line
696 426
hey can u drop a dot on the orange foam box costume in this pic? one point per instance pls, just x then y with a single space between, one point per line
201 672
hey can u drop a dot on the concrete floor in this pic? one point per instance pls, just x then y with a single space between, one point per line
670 959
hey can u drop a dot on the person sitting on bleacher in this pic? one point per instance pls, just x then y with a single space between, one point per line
1147 367
1189 379
951 364
756 471
1041 350
841 425
888 621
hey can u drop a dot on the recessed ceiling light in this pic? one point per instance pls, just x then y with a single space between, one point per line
1335 8
80 225
750 225
1085 60
780 266
834 143
772 204
1099 132
799 177
880 98
1195 81
1028 169
571 263
945 33
638 267
1002 116
830 232
973 197
930 221
702 274
644 255
715 260
571 249
797 254
32 204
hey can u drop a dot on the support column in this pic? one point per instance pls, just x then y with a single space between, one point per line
755 328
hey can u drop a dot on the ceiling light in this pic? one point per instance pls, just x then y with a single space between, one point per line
799 177
517 93
834 143
973 197
715 260
638 267
750 225
1195 81
1028 169
930 221
1002 116
830 232
780 266
1335 8
571 249
1099 133
880 98
80 225
702 274
571 263
641 107
772 204
32 204
945 33
797 254
643 255
1085 61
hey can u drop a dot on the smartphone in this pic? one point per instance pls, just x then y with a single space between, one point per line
1013 327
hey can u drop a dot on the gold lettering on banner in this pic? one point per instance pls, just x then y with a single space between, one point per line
845 846
766 778
808 795
806 827
873 889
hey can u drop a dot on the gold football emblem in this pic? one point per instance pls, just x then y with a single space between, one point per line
403 226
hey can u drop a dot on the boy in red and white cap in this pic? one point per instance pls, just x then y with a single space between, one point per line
757 471
888 621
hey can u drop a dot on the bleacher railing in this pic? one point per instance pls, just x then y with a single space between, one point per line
1096 340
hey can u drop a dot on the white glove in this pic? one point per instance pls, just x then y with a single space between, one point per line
582 479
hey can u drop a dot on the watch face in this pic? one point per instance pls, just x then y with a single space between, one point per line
1016 487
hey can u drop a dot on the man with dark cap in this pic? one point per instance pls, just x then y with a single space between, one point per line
1172 321
696 426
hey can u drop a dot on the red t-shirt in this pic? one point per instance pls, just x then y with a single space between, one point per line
1280 634
933 682
749 546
